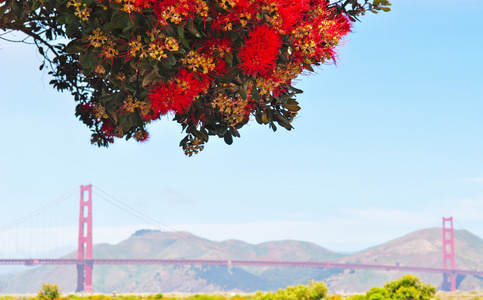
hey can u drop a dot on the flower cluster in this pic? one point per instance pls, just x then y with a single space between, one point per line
178 93
210 63
259 54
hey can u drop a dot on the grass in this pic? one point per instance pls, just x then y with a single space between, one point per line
458 295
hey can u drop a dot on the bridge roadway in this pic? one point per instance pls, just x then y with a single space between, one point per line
240 263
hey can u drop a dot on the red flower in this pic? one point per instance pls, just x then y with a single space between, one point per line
241 14
141 136
291 12
178 94
145 138
140 3
161 4
107 128
151 117
221 68
217 46
259 54
344 24
164 98
85 107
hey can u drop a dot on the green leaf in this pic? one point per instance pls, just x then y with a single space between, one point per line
125 123
185 43
229 59
130 87
2 10
148 79
229 78
192 29
234 132
243 93
62 19
36 4
181 32
184 141
107 98
115 5
165 64
116 66
205 134
228 138
108 27
282 121
115 102
74 47
265 117
171 60
272 126
306 61
136 120
89 60
170 31
112 116
258 118
72 27
141 64
292 107
22 11
121 20
296 90
309 67
255 94
201 134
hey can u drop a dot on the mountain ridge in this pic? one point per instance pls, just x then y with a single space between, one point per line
419 248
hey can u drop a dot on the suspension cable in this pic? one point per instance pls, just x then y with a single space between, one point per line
38 211
132 211
145 218
126 208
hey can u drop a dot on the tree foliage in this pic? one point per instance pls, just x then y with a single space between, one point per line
408 287
210 63
313 291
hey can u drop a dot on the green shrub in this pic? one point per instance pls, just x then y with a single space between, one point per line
312 291
409 287
48 291
158 296
202 297
377 294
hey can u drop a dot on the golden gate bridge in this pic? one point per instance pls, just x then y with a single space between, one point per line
85 260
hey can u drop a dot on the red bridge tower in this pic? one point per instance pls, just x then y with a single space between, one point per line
449 280
84 250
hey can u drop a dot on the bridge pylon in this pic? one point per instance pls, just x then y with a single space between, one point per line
84 250
449 279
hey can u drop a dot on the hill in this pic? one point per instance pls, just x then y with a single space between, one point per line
169 245
420 248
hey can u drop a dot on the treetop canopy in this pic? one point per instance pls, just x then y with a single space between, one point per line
212 64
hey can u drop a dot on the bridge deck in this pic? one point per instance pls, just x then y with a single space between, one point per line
207 262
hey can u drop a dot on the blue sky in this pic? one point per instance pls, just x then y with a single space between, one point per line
387 142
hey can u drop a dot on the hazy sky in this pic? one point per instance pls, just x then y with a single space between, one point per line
387 142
